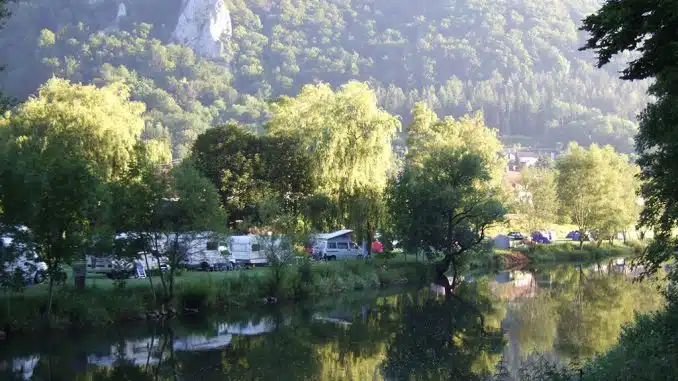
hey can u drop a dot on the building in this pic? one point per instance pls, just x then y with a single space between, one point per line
519 158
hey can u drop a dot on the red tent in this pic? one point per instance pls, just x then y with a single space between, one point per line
377 247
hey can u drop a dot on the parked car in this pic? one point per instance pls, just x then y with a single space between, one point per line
516 236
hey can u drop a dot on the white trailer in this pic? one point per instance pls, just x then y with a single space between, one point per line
207 251
247 249
253 249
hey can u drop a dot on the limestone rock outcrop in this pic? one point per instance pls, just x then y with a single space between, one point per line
202 24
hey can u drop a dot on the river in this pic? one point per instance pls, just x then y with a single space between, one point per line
493 326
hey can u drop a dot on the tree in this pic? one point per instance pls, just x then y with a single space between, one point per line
596 189
248 170
100 125
444 206
166 212
618 27
55 194
427 133
582 187
539 199
348 135
366 214
59 151
622 202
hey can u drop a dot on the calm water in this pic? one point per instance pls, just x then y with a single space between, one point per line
494 324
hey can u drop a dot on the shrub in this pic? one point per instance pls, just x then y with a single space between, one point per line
201 294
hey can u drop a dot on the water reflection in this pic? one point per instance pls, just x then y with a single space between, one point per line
490 325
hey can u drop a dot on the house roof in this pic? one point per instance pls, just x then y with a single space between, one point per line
335 234
527 154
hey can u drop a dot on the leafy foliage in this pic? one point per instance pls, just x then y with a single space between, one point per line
165 212
346 131
516 61
444 207
617 28
99 125
249 170
596 190
427 132
541 206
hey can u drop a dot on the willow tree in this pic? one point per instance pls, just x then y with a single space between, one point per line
539 204
99 124
348 135
428 132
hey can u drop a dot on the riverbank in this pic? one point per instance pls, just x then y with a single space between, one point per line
100 305
570 252
563 252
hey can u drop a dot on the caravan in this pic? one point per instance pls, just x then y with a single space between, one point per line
247 249
253 249
208 252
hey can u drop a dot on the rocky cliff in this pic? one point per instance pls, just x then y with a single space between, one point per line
202 24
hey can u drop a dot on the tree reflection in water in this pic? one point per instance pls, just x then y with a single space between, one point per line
565 311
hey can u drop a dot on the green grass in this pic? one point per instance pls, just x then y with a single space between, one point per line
101 303
568 251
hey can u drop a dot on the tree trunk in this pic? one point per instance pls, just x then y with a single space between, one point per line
50 298
150 278
369 240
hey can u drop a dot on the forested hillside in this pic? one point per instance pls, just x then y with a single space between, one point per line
516 60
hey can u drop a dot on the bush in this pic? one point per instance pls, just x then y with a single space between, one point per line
202 294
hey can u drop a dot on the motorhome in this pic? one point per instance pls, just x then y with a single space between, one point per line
335 245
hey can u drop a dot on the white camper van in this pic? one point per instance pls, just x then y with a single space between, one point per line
336 245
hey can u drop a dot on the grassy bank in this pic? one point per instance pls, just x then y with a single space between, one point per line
570 252
491 258
102 303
